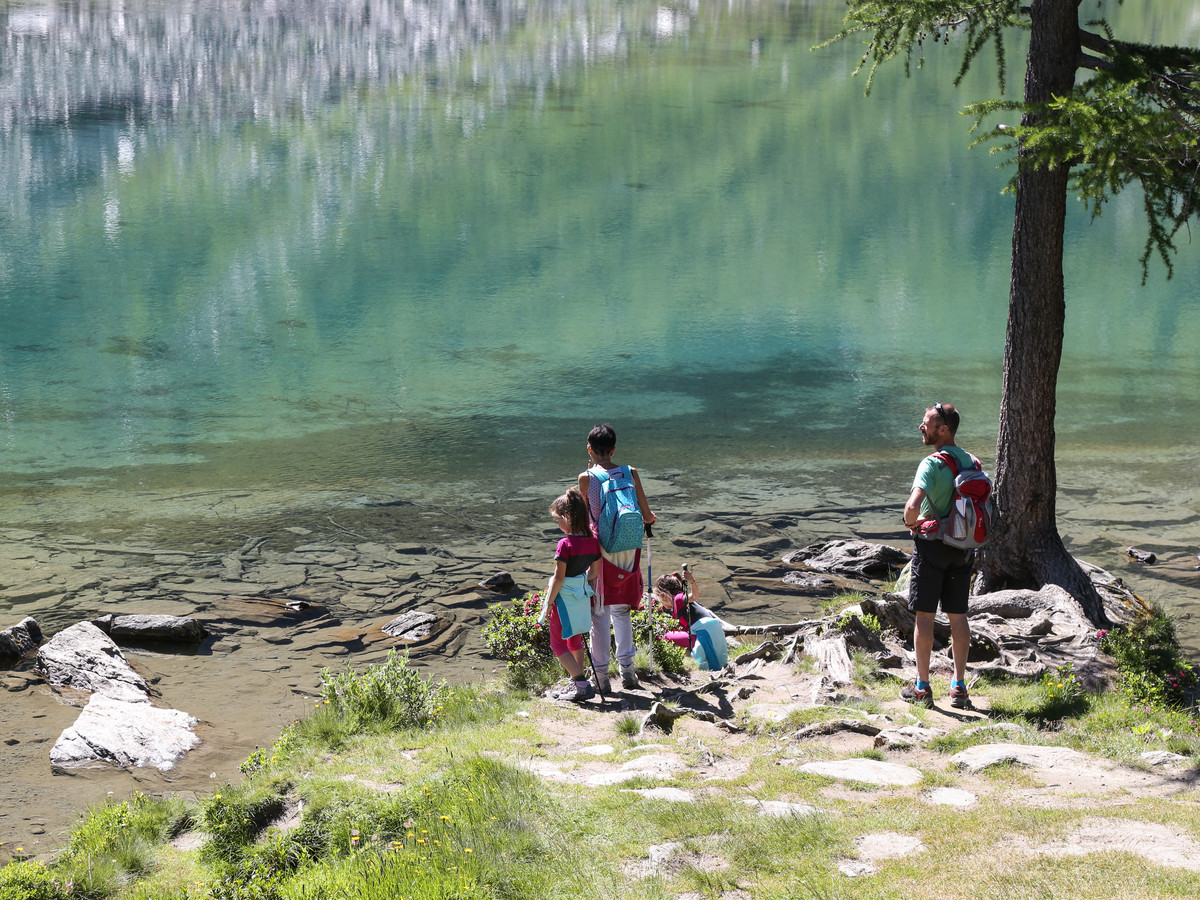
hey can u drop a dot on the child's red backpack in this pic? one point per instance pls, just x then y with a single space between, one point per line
621 588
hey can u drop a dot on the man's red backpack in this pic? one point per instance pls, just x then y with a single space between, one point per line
970 519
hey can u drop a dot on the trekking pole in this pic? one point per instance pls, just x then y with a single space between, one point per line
650 580
599 689
649 557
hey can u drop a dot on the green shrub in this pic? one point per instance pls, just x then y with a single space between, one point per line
30 880
1062 694
1150 664
384 697
233 818
649 626
515 636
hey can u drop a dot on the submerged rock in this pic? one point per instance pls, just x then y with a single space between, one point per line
171 629
857 559
19 640
414 626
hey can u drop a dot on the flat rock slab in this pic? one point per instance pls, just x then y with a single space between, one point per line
951 797
652 765
983 756
1156 843
772 712
670 794
780 808
415 626
172 629
130 735
84 658
868 771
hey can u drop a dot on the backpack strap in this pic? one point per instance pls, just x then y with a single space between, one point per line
948 459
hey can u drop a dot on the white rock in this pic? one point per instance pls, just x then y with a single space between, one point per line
975 759
870 771
125 734
950 797
1162 757
670 794
780 808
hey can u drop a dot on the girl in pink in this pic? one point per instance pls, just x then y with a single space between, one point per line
568 599
671 595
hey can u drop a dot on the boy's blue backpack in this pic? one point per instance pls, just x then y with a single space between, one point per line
620 526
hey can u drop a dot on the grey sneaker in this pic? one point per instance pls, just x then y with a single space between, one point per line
576 692
629 680
910 694
602 682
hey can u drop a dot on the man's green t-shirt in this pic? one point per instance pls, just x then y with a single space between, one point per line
936 479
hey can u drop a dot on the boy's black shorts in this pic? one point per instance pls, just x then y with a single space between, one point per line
940 574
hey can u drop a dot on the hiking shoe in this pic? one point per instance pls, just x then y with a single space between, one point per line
959 698
602 683
910 694
577 692
629 681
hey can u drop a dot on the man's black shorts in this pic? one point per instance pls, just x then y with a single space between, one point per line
940 574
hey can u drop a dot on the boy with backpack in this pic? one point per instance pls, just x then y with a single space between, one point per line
619 513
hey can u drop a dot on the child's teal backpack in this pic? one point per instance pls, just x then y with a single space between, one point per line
710 648
620 526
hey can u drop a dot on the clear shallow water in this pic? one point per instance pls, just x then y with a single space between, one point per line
303 253
290 263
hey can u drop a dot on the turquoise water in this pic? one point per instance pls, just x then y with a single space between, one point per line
384 249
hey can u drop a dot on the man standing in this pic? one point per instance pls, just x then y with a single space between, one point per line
940 573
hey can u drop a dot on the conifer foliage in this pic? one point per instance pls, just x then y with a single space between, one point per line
1098 114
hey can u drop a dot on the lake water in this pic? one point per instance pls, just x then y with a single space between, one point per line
279 262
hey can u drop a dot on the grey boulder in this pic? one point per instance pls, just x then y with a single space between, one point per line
84 658
19 640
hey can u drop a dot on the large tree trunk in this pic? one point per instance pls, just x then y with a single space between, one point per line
1025 549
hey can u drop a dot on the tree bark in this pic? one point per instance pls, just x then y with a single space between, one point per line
1025 549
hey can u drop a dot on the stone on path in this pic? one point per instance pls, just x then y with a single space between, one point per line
780 808
877 846
950 797
1153 842
983 756
653 765
1162 757
125 734
84 658
670 794
869 771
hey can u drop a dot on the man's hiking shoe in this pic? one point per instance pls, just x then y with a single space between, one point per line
959 698
910 694
629 681
602 683
576 692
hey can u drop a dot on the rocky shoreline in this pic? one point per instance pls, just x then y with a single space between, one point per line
278 610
